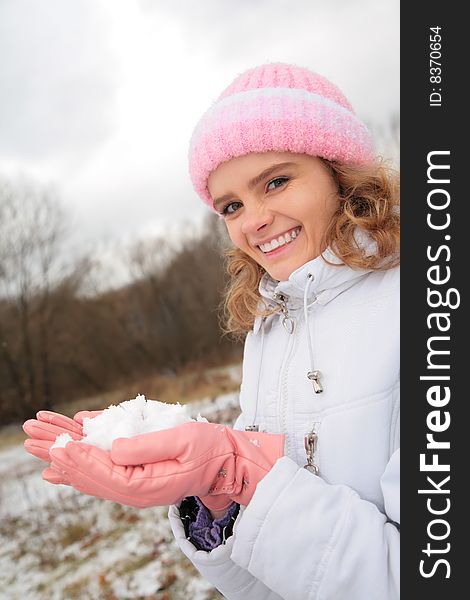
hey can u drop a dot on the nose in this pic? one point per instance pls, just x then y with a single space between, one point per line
255 218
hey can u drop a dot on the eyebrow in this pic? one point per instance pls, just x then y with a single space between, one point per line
256 180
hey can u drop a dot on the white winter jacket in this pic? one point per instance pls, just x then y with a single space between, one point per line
334 535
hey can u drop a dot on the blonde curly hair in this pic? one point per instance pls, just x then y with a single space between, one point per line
368 199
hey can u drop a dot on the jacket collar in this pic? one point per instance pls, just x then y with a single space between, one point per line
329 280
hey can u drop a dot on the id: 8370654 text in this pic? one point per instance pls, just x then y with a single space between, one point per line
435 66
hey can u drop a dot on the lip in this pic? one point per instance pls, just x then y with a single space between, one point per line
285 248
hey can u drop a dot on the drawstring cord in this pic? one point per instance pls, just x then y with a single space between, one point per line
313 375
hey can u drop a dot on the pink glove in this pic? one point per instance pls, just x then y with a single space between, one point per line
45 428
207 460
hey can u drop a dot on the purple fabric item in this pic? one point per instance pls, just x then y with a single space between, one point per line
207 534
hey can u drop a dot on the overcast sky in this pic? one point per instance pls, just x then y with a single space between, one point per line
99 97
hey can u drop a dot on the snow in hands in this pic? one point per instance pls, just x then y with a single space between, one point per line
128 419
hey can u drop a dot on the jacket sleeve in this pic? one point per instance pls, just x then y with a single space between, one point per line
303 539
323 540
233 581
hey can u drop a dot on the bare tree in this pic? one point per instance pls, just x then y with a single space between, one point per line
32 225
172 307
60 340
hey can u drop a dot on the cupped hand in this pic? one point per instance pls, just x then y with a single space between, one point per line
211 461
43 432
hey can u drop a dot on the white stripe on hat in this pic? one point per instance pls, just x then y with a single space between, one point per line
254 110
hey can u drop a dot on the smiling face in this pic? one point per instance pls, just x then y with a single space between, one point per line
277 206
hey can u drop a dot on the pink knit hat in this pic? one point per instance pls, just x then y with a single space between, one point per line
281 108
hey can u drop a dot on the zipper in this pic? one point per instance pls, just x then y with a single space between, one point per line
289 325
310 442
254 426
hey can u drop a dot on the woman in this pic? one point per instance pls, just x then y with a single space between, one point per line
310 471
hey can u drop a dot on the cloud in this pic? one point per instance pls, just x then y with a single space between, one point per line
355 43
58 80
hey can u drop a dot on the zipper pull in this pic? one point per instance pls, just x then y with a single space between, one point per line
310 441
314 377
287 321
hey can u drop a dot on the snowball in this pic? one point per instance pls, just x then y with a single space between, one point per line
128 419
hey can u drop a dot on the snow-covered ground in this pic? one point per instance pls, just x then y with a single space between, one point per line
57 544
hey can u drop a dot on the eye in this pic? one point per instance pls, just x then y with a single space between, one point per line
275 183
231 208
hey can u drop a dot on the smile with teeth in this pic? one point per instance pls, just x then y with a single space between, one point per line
285 238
